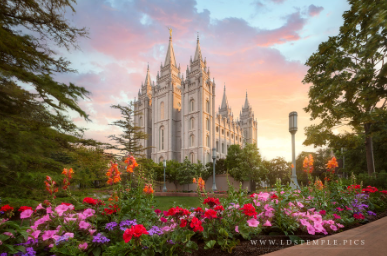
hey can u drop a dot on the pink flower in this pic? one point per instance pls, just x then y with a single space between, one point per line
84 225
312 209
66 220
339 209
48 210
339 225
236 229
8 234
69 235
40 207
347 208
300 205
253 223
304 222
335 216
92 231
26 214
269 214
256 203
311 230
60 209
268 208
88 212
157 211
333 227
35 234
82 246
291 204
163 219
49 234
267 224
42 220
282 192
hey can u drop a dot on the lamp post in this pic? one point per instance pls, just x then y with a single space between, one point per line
293 130
165 165
213 169
342 153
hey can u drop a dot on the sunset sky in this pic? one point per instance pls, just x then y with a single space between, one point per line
258 46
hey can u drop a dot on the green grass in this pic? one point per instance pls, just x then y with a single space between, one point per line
165 202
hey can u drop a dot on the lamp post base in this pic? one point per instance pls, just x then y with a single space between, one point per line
214 187
294 183
164 188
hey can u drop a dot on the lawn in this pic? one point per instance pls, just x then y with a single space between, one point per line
166 202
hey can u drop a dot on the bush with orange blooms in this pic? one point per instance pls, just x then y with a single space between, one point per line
331 165
131 163
113 174
148 189
201 183
308 164
51 186
67 178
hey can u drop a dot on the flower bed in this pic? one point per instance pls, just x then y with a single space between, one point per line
129 223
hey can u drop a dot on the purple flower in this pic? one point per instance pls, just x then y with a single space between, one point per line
29 252
111 225
170 242
101 239
61 239
127 224
155 230
4 253
371 213
30 241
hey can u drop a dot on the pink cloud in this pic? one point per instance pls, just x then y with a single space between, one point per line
314 10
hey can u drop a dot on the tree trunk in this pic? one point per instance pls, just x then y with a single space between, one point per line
369 150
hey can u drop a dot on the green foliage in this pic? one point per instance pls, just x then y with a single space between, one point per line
35 130
349 75
321 157
246 164
277 168
186 172
129 142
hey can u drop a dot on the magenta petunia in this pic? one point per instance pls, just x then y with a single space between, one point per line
26 214
253 223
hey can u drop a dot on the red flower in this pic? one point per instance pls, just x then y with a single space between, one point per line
23 208
383 191
157 211
112 209
358 216
274 196
211 201
210 214
6 208
67 204
219 208
323 212
199 209
370 189
183 223
89 200
178 212
196 225
249 210
136 231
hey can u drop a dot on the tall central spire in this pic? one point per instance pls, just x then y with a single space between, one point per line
247 104
170 58
198 52
147 78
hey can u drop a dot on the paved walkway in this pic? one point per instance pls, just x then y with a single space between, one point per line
369 239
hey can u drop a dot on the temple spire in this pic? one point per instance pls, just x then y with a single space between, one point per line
198 51
247 104
224 100
170 58
147 78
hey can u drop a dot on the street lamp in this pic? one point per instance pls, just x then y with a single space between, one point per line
165 165
213 169
342 153
293 130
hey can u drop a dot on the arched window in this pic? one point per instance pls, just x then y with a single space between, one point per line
161 159
208 157
207 140
140 121
192 123
208 124
161 138
222 147
217 146
222 132
208 106
191 157
246 134
162 111
192 105
228 134
232 136
217 129
192 141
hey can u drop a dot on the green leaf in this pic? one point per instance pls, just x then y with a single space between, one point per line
210 244
97 251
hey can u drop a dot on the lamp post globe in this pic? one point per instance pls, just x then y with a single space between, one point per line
293 129
213 169
164 165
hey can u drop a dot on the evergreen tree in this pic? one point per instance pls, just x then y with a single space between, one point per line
129 142
33 125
